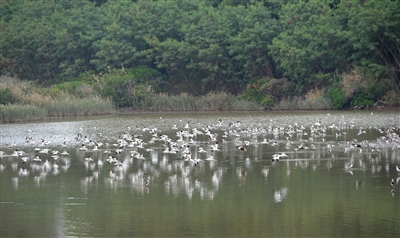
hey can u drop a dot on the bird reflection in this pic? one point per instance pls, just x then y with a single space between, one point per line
280 194
359 185
194 160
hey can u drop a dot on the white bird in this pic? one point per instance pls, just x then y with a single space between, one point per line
83 147
211 158
201 150
111 159
37 159
24 159
276 157
196 161
283 154
397 169
140 156
89 159
215 147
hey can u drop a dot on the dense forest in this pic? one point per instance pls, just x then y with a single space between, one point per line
267 51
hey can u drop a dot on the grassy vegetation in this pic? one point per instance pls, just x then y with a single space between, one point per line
354 89
211 102
96 95
24 101
16 112
297 103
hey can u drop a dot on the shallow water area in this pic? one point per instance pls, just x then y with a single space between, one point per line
145 175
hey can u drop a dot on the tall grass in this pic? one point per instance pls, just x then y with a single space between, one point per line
298 103
17 113
56 108
79 107
211 102
35 103
313 100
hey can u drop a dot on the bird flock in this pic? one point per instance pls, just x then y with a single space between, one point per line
185 149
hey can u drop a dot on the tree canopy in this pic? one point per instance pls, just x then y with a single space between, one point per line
202 46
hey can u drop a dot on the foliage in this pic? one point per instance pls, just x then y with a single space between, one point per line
375 36
267 91
199 46
267 101
370 95
391 98
77 88
311 45
362 99
6 96
128 88
49 39
337 96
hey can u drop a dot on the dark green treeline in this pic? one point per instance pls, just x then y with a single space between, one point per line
202 46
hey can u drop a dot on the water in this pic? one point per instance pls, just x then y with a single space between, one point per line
312 192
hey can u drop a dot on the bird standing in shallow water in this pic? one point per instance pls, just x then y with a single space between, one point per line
397 169
393 182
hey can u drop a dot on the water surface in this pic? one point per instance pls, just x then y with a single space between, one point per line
311 192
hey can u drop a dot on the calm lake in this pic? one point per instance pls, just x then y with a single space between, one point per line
203 175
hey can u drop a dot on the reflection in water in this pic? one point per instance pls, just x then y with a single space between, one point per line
204 161
280 194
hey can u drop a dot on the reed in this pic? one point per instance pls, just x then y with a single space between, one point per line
298 103
211 102
18 113
79 106
35 103
56 108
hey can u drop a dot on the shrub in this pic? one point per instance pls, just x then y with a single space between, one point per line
369 95
362 99
337 97
267 102
6 96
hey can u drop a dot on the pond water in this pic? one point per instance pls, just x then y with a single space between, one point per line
334 181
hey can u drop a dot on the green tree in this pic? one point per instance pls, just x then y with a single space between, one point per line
311 45
248 41
47 39
374 34
118 44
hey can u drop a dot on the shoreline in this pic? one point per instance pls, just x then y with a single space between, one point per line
132 111
129 111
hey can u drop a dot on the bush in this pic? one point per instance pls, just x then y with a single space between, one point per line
6 96
362 99
129 87
267 102
370 95
337 97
